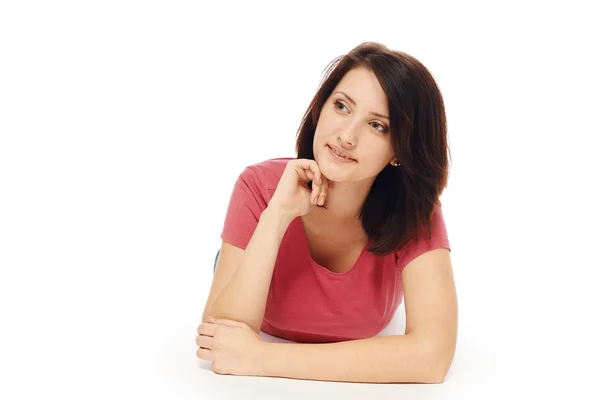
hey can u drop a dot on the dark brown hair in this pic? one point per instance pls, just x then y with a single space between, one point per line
402 199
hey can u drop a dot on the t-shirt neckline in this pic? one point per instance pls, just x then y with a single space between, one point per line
318 267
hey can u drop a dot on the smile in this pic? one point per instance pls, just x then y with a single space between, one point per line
338 156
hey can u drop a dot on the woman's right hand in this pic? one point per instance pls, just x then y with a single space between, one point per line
293 195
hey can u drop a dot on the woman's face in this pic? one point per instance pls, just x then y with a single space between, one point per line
354 120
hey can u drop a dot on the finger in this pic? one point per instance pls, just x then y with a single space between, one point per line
317 183
204 354
226 322
304 173
316 191
307 168
308 175
206 342
323 193
207 329
312 166
323 190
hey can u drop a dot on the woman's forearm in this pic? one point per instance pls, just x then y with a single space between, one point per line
380 359
244 297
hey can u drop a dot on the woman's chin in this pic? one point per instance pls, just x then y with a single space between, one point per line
332 171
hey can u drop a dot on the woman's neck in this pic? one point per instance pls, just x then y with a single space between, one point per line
345 200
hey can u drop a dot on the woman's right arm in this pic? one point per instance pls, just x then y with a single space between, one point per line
243 277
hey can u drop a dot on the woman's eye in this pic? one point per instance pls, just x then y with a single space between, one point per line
340 106
379 127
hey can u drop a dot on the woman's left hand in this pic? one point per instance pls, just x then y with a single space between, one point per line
232 346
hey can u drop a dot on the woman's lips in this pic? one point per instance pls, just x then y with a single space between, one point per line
339 158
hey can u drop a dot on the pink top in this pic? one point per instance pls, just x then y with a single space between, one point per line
306 301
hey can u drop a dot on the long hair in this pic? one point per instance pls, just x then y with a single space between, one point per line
403 199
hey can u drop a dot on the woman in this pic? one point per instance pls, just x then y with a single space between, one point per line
322 249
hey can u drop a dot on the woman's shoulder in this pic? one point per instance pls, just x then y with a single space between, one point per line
267 172
425 242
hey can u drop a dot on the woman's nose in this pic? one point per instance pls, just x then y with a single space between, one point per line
349 135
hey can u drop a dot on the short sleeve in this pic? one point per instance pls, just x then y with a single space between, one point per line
414 248
246 204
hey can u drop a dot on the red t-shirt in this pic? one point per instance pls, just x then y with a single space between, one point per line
306 301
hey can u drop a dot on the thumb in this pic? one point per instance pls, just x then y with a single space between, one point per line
226 322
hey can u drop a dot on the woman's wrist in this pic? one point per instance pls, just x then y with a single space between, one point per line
278 213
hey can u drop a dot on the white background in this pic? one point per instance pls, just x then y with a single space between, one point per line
124 125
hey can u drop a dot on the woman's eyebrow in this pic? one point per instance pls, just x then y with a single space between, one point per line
354 104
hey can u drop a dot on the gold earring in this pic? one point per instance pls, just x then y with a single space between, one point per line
396 164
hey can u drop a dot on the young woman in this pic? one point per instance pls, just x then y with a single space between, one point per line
321 249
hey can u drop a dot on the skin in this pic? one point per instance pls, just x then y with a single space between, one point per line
426 350
356 130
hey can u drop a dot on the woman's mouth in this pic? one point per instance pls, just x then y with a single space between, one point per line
339 156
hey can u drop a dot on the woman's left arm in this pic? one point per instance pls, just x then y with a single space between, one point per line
422 355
